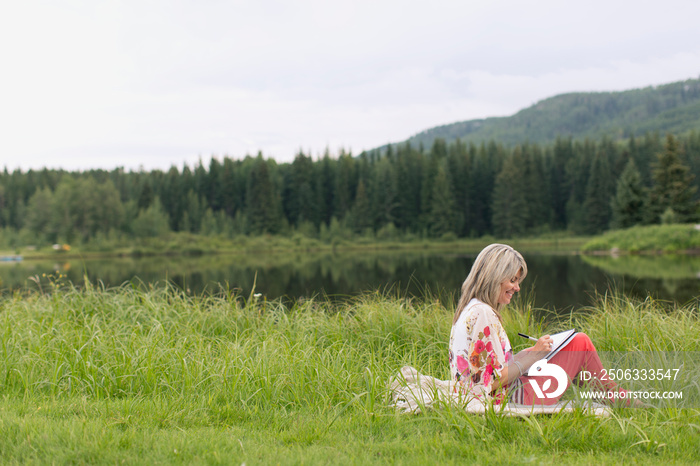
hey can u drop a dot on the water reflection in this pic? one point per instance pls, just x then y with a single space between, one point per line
555 281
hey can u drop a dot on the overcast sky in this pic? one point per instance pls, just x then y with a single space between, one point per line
86 84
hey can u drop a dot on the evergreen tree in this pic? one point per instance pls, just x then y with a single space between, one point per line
383 193
577 174
193 214
172 196
510 209
361 214
214 196
263 209
300 198
443 216
145 194
345 184
645 153
229 201
672 186
325 188
537 194
599 190
408 180
430 170
487 162
458 163
691 149
628 204
4 210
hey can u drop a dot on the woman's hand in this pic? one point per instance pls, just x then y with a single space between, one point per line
543 344
529 356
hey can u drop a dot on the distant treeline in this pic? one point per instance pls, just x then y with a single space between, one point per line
450 190
670 108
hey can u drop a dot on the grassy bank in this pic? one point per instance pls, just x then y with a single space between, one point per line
188 244
149 376
647 239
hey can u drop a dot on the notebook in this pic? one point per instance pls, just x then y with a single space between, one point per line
559 341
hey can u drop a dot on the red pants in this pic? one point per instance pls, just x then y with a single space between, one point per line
579 355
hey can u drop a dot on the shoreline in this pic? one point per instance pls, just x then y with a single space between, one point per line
246 245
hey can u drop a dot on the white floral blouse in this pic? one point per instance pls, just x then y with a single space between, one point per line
479 349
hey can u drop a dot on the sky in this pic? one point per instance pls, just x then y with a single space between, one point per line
147 84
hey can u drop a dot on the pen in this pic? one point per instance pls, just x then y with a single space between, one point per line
527 336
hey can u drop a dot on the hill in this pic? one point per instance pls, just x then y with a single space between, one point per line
671 108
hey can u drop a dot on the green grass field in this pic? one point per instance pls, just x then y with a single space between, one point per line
151 376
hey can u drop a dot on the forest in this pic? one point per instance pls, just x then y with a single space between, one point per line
669 108
447 191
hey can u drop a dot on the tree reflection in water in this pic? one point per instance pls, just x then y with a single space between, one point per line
555 281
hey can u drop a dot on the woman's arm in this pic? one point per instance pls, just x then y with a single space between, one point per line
524 359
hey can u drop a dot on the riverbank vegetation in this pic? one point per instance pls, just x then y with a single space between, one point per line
652 239
151 375
194 244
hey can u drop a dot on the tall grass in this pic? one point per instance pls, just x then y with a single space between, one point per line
148 375
649 238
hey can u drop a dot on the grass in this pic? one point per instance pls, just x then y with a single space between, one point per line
648 239
151 375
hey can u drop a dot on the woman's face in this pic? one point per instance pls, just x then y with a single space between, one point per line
508 289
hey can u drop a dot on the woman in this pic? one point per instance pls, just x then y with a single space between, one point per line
481 360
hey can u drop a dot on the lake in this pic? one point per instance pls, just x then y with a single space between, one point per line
558 281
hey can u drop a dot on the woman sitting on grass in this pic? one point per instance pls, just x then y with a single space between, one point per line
481 360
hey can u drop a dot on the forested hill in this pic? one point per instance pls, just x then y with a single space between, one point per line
673 108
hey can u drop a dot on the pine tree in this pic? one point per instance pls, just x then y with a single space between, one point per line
408 179
263 210
300 198
361 214
194 211
325 188
577 174
172 197
443 216
431 167
537 195
672 186
383 193
628 204
214 196
458 163
487 162
510 209
345 184
145 194
599 190
645 152
230 199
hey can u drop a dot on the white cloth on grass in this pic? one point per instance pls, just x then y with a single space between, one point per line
412 392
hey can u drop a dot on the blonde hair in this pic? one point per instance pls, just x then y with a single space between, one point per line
495 264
